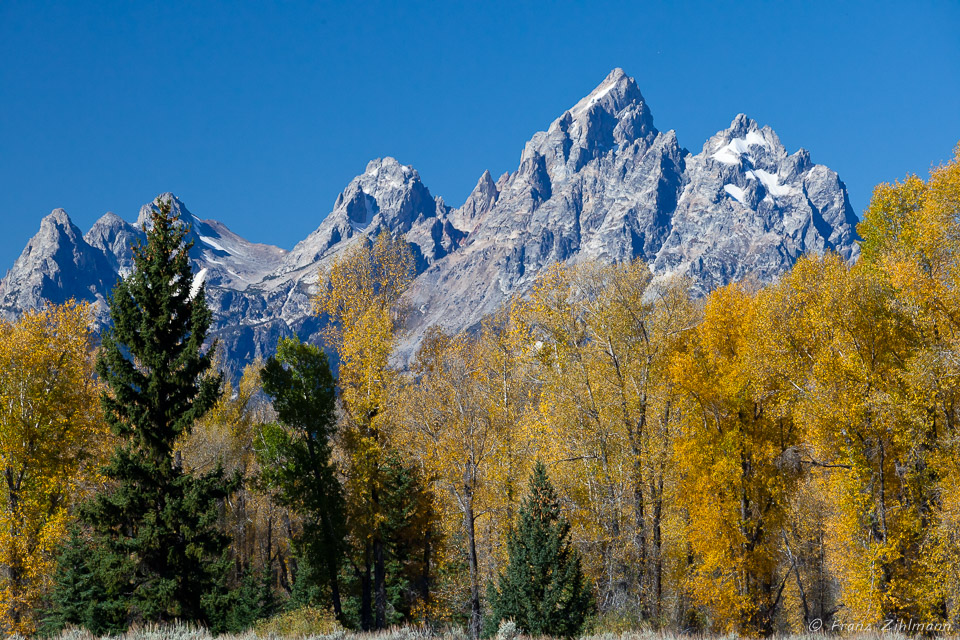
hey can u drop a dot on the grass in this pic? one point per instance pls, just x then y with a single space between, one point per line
317 624
188 632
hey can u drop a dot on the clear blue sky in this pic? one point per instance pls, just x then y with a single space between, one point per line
258 114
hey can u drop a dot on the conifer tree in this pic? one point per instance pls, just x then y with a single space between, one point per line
543 588
410 530
156 552
83 594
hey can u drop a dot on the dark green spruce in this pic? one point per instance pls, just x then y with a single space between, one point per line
410 529
154 551
543 589
294 456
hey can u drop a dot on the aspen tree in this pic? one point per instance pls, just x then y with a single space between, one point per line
52 438
360 296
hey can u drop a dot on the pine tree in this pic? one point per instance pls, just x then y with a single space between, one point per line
156 553
254 599
543 588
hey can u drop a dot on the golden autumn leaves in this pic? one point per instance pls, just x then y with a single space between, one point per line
52 439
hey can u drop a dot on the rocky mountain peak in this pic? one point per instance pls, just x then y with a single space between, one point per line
177 208
57 264
478 203
109 220
765 207
389 168
56 231
387 195
600 183
744 141
617 92
57 219
115 237
386 190
614 114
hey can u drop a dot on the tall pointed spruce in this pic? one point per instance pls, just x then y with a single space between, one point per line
543 589
155 526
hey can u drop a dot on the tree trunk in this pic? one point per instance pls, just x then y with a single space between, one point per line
469 523
366 621
380 578
329 544
330 553
425 575
657 553
639 506
641 536
14 569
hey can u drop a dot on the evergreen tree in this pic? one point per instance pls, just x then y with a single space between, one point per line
295 459
410 531
156 553
543 588
254 599
83 593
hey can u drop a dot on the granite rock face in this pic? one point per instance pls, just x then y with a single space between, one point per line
56 265
601 183
749 207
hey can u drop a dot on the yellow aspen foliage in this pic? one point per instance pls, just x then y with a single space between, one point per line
857 411
892 365
459 411
601 336
735 453
360 297
52 438
359 294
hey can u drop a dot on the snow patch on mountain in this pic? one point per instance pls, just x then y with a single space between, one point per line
197 282
207 240
735 192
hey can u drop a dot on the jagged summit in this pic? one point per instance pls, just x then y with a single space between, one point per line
477 204
616 92
387 195
600 183
762 206
115 237
58 218
740 140
614 114
176 207
56 265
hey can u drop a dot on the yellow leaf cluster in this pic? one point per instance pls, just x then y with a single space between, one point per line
52 439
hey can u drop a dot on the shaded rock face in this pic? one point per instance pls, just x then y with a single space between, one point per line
601 183
114 238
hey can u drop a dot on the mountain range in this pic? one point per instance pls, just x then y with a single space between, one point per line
601 183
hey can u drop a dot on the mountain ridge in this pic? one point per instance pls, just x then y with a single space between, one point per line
601 182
